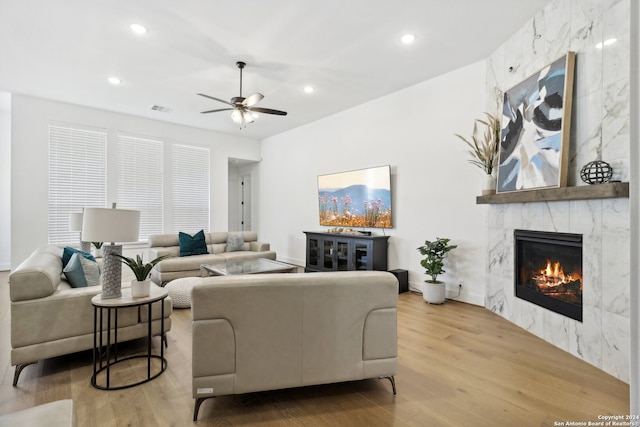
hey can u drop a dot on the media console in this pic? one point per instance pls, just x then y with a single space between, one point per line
345 252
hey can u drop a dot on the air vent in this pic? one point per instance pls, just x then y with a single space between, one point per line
160 108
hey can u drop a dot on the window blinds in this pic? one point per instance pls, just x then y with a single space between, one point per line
140 184
190 188
77 176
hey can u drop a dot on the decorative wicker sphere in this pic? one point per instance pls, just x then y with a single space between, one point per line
596 172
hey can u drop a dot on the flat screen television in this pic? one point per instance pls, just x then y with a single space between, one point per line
358 198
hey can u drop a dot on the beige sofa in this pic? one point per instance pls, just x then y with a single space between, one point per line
189 266
266 332
49 318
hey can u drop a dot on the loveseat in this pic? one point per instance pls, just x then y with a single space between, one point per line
50 318
177 266
266 332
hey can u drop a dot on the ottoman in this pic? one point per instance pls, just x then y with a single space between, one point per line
180 291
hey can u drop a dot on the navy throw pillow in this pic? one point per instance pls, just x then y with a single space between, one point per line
192 245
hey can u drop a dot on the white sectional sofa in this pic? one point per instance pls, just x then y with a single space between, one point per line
49 318
178 266
266 332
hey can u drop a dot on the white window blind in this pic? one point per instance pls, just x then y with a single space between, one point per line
140 180
190 188
77 176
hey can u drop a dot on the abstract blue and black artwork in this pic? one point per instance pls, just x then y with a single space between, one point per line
535 129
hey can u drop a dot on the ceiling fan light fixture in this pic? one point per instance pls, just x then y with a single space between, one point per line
236 116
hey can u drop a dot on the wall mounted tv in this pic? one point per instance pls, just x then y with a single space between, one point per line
358 198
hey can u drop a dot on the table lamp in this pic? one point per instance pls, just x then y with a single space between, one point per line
75 224
111 225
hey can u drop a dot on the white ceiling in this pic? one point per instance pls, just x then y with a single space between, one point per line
349 50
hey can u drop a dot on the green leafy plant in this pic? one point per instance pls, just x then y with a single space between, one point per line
435 252
140 269
97 245
485 148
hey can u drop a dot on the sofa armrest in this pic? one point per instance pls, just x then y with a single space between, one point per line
214 348
259 246
36 277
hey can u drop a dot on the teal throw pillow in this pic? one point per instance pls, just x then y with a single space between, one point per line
68 251
82 272
235 242
192 245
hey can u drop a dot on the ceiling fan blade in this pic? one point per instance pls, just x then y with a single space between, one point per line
253 99
216 99
268 111
215 111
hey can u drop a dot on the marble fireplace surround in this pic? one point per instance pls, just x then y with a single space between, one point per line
602 338
599 130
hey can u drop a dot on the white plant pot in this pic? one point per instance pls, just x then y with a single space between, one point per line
434 293
140 288
489 185
97 253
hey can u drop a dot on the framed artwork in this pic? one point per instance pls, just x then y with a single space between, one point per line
536 118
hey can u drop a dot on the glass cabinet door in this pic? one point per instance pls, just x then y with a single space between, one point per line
342 255
362 255
327 254
313 252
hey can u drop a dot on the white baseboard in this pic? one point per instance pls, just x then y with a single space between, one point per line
452 294
5 267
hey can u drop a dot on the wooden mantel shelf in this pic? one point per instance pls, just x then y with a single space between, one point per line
584 192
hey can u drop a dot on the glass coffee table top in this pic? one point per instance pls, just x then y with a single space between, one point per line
252 266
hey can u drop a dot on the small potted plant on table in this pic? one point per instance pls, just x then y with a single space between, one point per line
141 285
433 290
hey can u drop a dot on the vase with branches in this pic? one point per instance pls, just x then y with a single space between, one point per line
485 148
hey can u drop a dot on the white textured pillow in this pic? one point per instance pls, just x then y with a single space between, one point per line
235 242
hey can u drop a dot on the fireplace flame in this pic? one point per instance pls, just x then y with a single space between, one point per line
552 277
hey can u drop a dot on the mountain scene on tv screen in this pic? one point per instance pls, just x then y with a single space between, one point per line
355 206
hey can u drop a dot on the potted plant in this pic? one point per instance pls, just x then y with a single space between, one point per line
141 285
485 149
97 249
434 291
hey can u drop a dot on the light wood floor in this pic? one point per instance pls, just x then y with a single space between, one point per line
459 365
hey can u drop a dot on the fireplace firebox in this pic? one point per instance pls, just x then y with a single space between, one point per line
548 270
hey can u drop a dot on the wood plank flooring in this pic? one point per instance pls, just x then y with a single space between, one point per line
459 365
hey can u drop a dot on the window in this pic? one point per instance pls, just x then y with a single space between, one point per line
140 180
77 176
190 188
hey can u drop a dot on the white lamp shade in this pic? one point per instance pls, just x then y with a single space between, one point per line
110 225
75 221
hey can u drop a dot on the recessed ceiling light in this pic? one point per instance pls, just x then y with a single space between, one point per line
114 80
138 29
308 89
408 38
606 43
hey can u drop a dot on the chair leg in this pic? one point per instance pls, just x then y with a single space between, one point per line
392 380
166 342
18 371
199 401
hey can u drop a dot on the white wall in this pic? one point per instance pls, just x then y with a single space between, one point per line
433 186
5 181
29 160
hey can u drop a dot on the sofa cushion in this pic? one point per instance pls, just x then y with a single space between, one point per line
235 242
69 251
192 245
81 272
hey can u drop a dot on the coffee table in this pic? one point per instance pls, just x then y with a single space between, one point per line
251 266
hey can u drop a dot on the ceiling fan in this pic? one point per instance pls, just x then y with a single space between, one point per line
243 107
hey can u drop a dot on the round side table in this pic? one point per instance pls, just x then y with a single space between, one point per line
102 360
